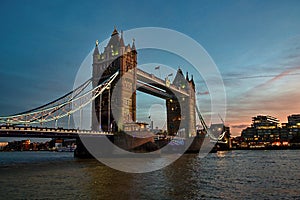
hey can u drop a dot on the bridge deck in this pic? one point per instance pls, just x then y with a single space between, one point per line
40 132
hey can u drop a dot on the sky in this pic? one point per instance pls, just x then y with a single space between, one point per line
255 45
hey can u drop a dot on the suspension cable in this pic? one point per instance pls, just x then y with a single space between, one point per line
39 115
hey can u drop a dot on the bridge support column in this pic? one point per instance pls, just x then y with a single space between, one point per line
117 105
181 114
189 120
99 146
81 151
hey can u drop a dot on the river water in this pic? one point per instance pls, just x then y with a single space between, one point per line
224 175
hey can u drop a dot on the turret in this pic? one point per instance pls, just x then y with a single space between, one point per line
122 40
179 79
193 83
96 55
133 45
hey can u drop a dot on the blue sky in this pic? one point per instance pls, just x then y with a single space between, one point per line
255 44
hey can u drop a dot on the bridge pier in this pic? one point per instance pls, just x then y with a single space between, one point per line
81 151
97 144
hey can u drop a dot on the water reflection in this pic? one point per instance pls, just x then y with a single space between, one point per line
225 175
221 154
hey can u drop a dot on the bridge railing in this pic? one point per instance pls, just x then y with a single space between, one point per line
50 130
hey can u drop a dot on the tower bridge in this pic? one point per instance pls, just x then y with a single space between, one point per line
115 80
118 104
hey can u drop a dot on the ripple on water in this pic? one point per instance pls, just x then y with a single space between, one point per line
227 175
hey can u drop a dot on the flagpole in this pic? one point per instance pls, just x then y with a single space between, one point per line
169 75
158 67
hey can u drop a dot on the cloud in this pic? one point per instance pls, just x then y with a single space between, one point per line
278 97
203 93
240 126
281 75
270 88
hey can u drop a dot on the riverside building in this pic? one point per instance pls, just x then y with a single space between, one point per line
263 131
267 131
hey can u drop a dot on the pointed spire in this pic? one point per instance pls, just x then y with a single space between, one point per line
192 80
96 50
179 71
187 76
133 45
115 31
114 41
122 40
179 78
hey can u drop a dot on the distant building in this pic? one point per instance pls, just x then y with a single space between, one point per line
294 120
236 142
265 122
25 145
267 131
263 132
291 130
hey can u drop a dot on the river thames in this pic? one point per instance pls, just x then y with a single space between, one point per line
224 175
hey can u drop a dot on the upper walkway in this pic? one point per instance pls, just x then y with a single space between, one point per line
159 83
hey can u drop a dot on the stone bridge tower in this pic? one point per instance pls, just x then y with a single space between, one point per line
117 105
181 114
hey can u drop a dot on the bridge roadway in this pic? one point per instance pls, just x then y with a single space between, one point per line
41 132
156 86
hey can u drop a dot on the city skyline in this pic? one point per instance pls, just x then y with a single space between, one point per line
254 44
